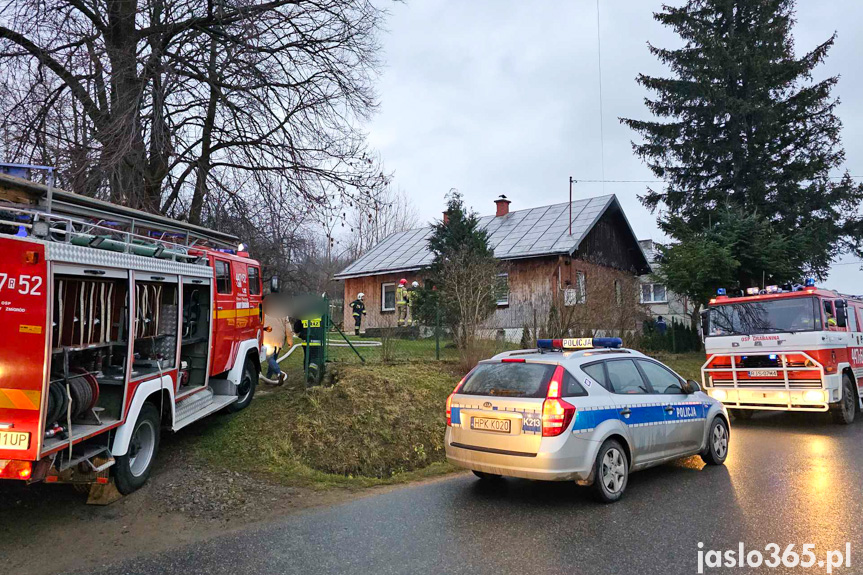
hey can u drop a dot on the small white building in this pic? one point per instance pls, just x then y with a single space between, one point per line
656 297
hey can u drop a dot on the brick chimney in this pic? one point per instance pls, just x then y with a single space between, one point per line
502 206
445 218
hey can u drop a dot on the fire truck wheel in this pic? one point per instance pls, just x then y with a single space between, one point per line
741 414
846 410
717 443
246 389
132 470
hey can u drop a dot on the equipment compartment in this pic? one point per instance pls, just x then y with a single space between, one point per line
156 326
89 343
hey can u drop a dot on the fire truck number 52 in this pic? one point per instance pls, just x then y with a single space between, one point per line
25 285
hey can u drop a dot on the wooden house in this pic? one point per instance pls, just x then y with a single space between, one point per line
551 255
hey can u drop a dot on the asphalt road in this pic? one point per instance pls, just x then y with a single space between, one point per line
790 478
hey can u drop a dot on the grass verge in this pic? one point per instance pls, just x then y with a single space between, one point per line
379 424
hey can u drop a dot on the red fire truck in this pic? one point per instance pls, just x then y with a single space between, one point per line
791 348
115 324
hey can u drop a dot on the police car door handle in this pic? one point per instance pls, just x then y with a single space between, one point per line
626 412
669 409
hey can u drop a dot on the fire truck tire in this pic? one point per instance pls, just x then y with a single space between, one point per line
717 443
741 414
845 411
246 389
132 470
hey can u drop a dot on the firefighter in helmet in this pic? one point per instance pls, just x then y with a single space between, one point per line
402 302
412 299
358 310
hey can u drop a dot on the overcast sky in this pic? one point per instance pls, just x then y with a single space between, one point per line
502 97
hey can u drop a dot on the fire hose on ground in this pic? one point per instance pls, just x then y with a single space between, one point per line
332 344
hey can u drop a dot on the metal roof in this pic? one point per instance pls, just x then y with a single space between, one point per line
526 233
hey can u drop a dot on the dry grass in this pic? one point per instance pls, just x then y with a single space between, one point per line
378 424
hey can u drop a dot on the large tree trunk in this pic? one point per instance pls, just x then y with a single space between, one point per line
124 139
203 169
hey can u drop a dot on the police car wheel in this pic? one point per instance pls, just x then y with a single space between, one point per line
246 388
846 410
611 472
741 414
717 443
486 476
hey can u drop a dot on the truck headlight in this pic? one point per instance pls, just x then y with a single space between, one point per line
719 394
814 396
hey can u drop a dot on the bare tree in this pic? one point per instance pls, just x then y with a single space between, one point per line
467 286
159 104
388 211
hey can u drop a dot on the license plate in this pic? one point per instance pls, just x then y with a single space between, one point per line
491 424
14 440
763 373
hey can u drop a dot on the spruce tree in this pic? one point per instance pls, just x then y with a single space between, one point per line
741 124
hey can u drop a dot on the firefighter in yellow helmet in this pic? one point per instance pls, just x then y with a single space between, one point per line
402 302
412 299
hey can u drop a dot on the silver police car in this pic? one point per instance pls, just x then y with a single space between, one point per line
580 409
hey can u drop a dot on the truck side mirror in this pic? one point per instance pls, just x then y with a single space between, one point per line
274 284
705 323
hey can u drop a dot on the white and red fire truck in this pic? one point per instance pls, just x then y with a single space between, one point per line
794 349
115 324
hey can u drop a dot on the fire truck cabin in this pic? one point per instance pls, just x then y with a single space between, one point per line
793 349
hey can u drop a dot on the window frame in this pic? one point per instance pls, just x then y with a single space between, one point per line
502 302
258 288
646 378
384 297
580 287
227 265
653 299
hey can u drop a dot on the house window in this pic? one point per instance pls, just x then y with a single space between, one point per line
580 287
577 294
653 293
388 297
501 289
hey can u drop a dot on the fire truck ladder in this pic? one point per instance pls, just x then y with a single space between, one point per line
45 212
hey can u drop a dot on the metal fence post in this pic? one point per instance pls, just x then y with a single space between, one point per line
437 331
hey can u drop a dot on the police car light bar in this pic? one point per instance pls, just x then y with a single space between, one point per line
579 343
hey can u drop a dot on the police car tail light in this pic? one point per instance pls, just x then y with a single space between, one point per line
557 414
449 401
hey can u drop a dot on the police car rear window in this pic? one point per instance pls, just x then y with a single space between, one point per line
509 380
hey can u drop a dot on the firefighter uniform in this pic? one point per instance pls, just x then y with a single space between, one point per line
358 310
412 300
402 303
